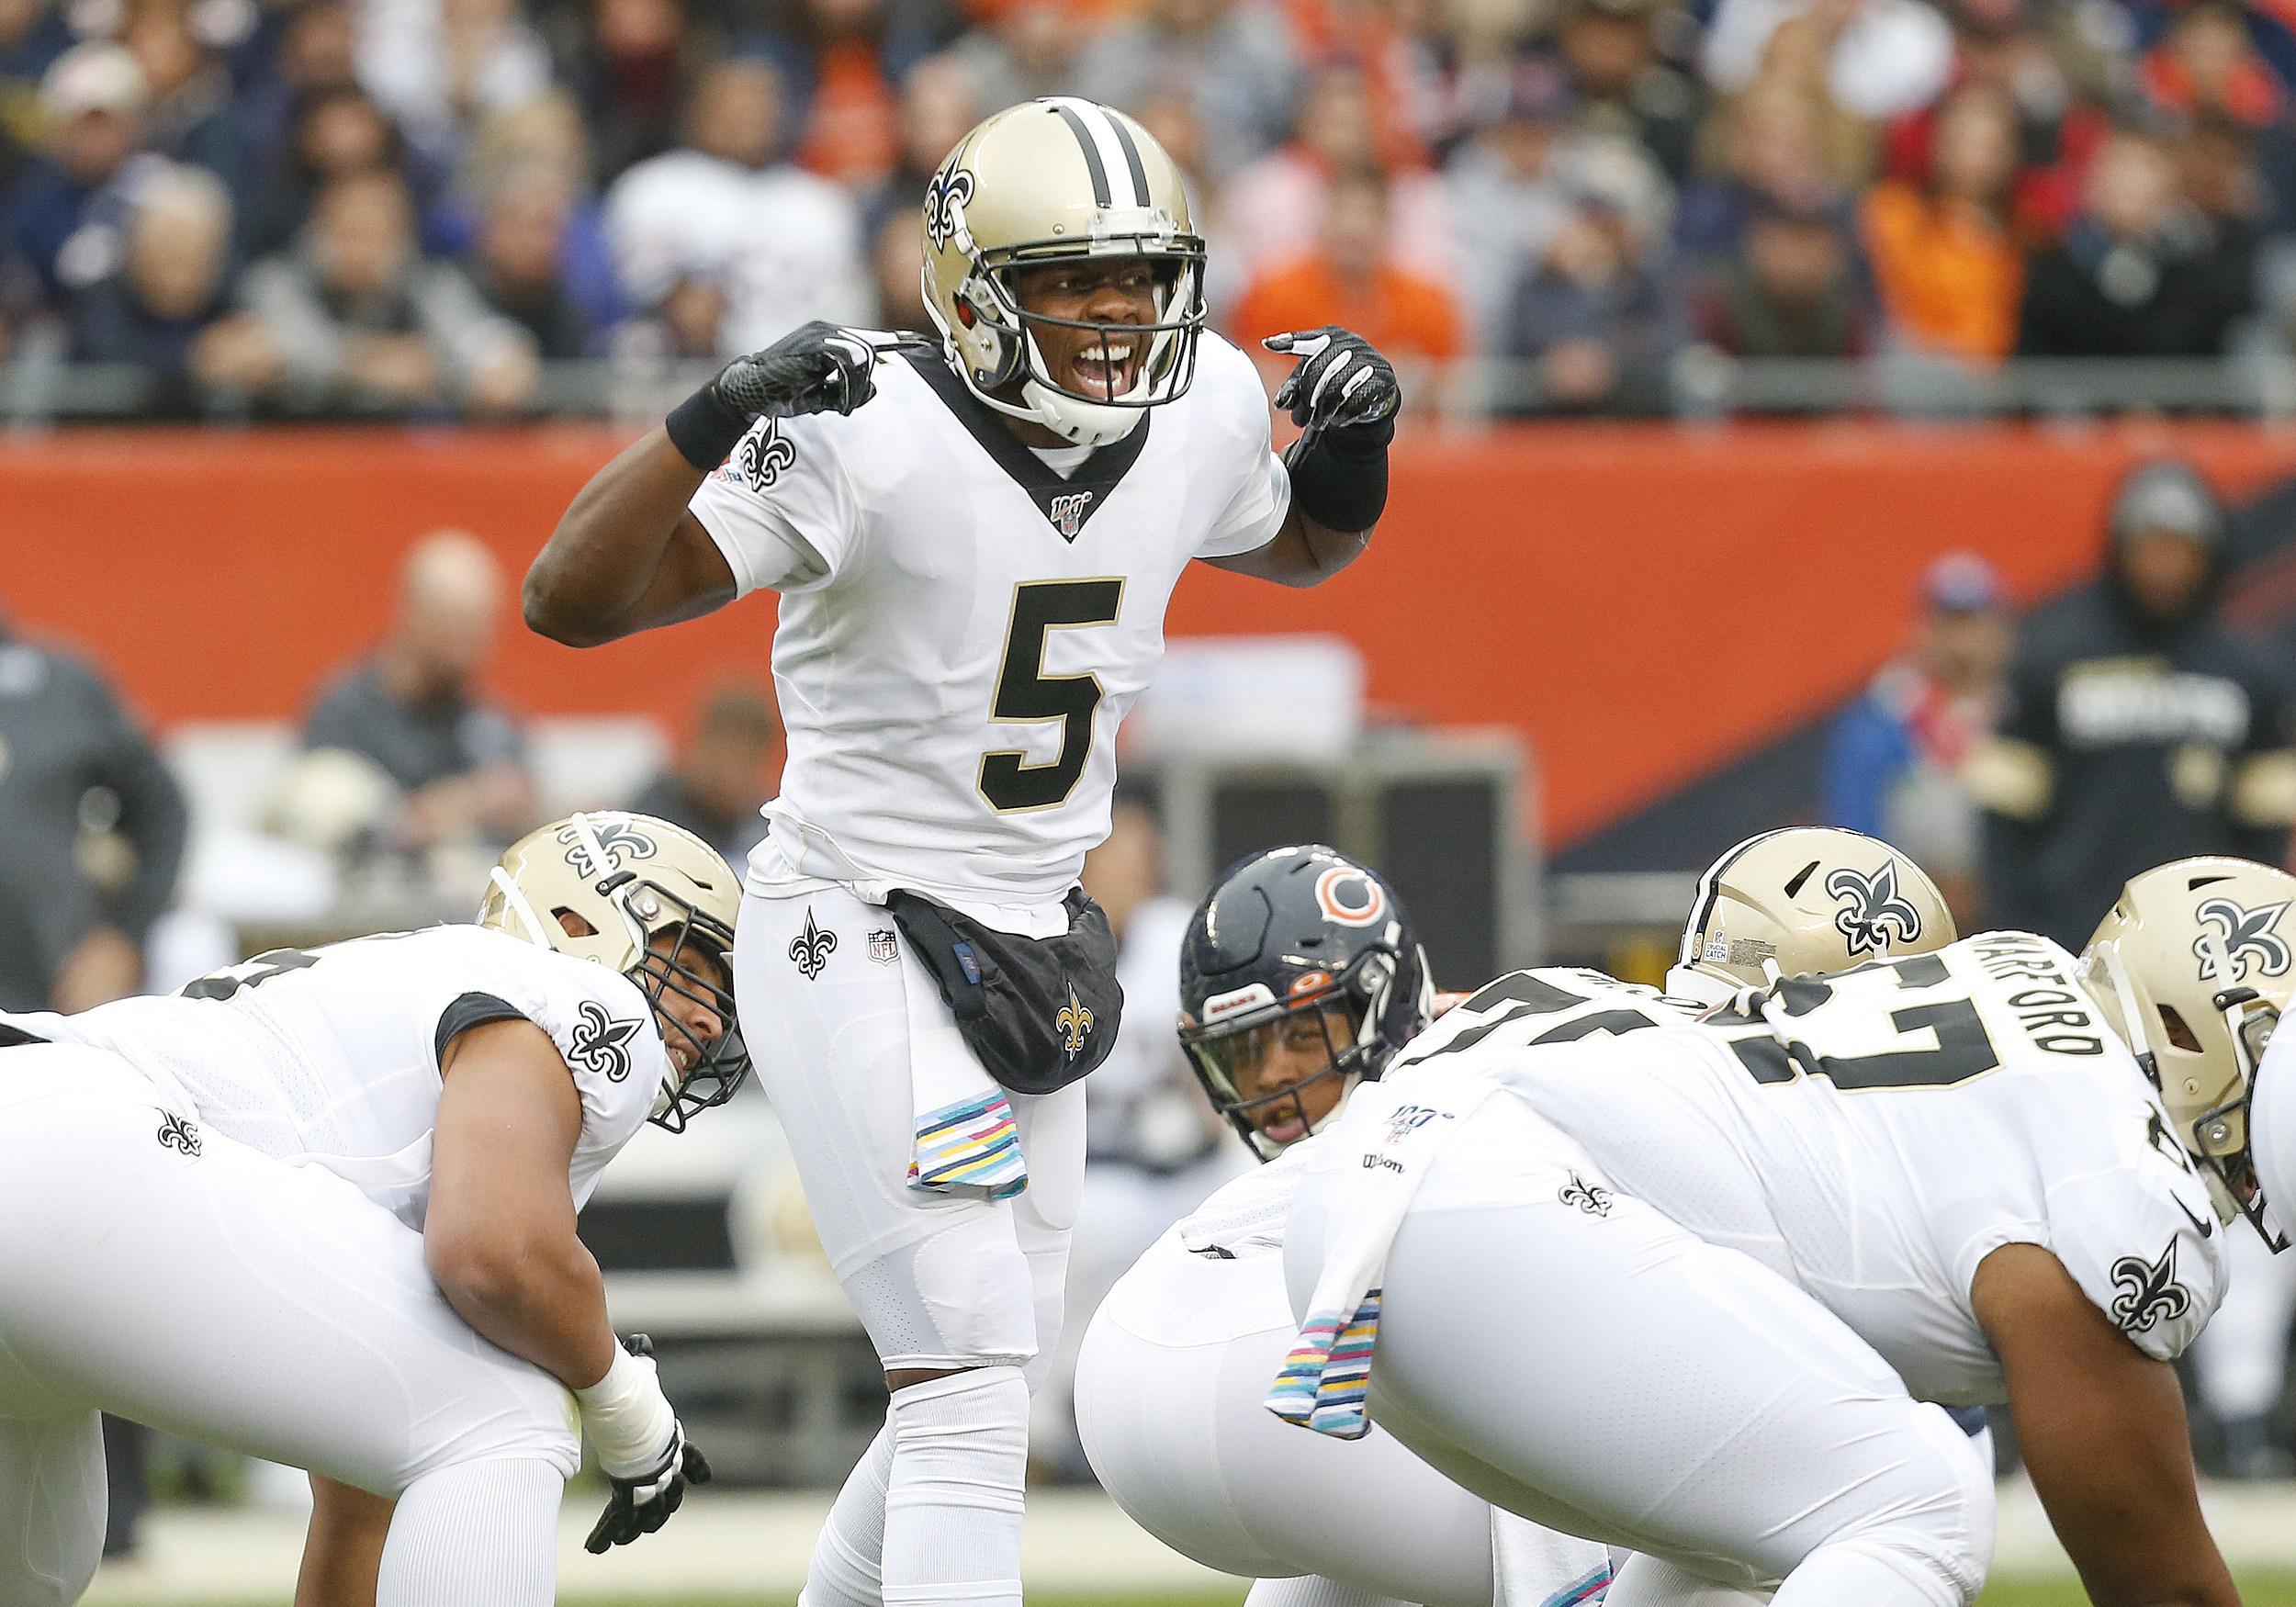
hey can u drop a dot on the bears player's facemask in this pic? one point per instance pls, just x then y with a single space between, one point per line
1279 1078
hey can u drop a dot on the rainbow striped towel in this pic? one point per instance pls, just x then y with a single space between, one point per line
970 1147
1380 1149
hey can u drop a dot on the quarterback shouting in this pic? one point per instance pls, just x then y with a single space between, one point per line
974 545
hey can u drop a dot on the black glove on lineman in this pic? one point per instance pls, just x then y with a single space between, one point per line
1345 395
642 1504
816 368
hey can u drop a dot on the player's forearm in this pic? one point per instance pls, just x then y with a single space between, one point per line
612 566
542 1300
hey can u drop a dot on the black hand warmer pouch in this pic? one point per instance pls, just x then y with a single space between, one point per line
1039 1013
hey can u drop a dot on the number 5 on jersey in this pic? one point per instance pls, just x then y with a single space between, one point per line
1025 695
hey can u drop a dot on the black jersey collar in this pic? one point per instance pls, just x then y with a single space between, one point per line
1066 504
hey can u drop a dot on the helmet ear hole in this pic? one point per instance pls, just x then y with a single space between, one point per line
2180 1033
572 924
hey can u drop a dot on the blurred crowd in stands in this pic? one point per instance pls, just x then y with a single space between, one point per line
385 208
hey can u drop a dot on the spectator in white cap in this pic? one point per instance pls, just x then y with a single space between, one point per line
1894 757
66 221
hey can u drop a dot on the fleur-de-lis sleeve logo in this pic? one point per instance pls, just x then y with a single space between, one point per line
177 1132
2149 1291
811 948
2246 934
945 200
1870 905
1076 1020
600 1043
764 453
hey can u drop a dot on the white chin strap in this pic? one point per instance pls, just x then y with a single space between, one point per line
518 904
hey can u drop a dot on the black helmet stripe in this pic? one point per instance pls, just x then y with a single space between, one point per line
1132 158
1710 890
1091 149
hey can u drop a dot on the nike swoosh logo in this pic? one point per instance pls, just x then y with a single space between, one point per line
2206 1227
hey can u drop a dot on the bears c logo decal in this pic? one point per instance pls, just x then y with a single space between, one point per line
1346 895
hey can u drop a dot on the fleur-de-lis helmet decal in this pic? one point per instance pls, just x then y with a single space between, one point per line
2243 935
1872 909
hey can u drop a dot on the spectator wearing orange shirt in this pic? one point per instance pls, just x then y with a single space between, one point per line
1949 275
1351 280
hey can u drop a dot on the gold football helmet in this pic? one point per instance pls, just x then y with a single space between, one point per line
1041 181
2192 969
1809 899
604 886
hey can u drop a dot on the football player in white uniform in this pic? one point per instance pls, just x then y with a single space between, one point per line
1302 979
320 1207
974 546
1987 1174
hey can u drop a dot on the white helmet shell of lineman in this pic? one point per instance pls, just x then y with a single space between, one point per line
1806 900
2192 968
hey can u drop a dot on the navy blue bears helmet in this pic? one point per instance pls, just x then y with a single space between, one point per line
1299 977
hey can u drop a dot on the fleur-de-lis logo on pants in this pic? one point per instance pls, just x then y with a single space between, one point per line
2149 1291
177 1132
1590 1198
1077 1022
811 948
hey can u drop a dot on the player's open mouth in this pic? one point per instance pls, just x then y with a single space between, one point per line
1289 1129
1106 368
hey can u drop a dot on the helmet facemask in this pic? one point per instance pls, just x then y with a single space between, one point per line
1345 1014
2205 1070
994 342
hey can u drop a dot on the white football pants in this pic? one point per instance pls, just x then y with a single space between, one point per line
939 1281
1170 1391
1612 1376
154 1268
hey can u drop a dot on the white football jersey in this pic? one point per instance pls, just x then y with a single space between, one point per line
1552 1005
961 628
1873 1135
329 1057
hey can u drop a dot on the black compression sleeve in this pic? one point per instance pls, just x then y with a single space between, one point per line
1339 476
470 1010
704 430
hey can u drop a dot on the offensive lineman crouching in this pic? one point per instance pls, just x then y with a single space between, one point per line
320 1207
1301 981
974 546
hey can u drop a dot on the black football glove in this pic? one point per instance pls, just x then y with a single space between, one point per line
816 368
1341 380
643 1503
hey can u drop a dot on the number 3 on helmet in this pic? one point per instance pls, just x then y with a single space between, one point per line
1040 183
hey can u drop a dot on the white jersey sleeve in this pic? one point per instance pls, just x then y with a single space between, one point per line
1263 493
2142 1240
780 508
602 1025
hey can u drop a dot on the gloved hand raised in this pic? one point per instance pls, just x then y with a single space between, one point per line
816 368
1341 380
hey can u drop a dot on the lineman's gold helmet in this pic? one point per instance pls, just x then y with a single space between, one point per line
1036 182
2192 969
602 886
1807 900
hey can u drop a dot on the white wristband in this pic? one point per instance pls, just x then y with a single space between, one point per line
627 1417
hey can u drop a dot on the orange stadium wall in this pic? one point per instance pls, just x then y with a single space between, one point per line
1642 603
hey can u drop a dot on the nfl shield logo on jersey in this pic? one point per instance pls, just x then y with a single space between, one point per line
1067 513
884 947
